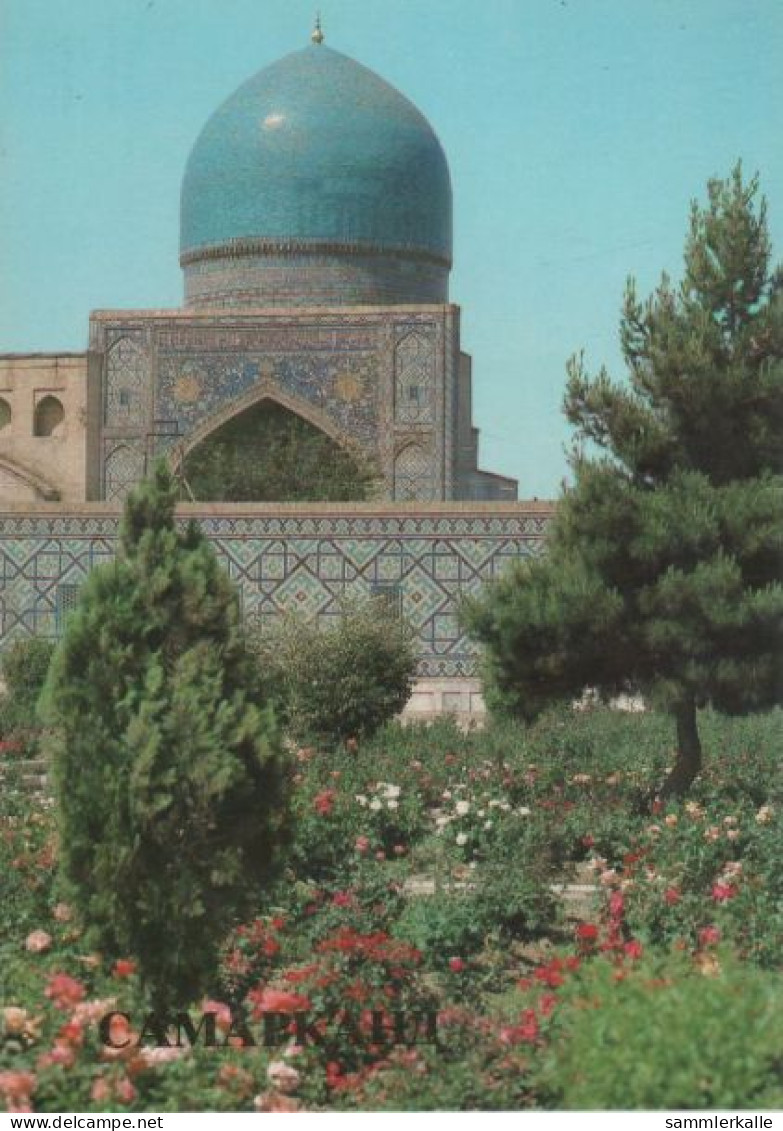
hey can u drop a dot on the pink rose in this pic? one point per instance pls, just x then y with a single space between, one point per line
125 1091
64 991
100 1091
722 892
616 905
37 942
16 1089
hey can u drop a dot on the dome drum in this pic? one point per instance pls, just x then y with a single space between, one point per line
314 275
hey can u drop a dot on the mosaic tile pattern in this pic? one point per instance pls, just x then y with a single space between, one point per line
413 474
414 392
303 560
124 467
377 380
127 378
191 388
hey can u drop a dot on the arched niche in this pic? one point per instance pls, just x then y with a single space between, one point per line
49 415
267 452
6 415
413 474
123 469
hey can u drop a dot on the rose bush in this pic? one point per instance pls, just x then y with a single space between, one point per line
379 906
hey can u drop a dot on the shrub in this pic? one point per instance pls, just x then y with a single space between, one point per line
25 665
167 770
24 668
341 681
663 1035
441 925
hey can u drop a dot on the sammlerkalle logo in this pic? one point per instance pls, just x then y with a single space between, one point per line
382 1028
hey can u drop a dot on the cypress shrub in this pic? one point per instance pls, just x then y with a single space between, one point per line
167 769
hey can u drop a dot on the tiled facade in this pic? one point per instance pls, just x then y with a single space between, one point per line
290 557
387 382
316 244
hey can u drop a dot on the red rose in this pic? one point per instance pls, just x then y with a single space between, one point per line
456 965
324 802
546 1004
269 1000
123 968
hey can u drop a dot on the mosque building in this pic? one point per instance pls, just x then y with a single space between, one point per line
316 245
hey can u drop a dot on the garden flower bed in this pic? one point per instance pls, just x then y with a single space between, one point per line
416 951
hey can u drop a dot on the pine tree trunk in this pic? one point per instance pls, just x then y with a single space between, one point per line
687 765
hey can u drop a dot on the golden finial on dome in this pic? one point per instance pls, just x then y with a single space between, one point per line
318 35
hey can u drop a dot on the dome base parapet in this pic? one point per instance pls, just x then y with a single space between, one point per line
242 248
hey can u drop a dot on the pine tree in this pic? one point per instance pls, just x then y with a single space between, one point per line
166 765
664 570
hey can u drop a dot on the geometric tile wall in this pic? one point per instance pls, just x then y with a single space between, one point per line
425 557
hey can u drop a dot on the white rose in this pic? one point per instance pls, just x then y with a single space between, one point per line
283 1076
461 808
392 803
462 838
376 804
361 799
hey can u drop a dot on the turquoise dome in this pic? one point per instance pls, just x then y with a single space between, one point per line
316 151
